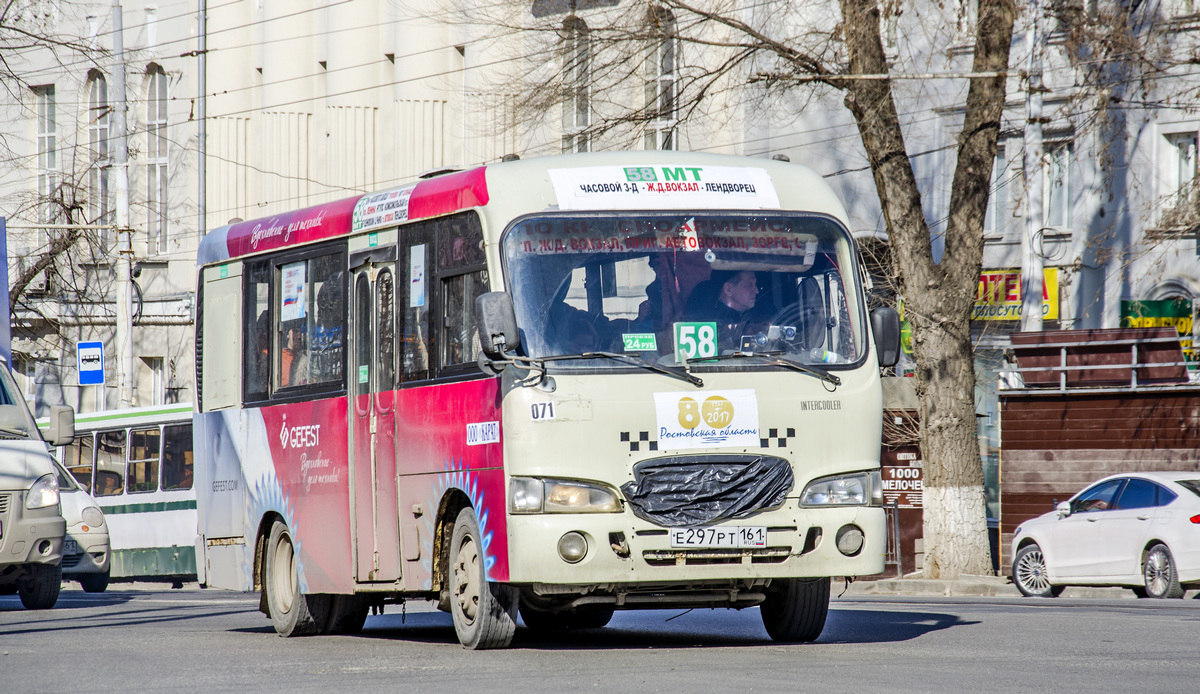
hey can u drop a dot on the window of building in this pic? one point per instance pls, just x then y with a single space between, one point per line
156 160
661 65
577 81
1056 190
1182 162
47 156
996 218
98 136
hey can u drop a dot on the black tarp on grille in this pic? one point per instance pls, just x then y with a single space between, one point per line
694 490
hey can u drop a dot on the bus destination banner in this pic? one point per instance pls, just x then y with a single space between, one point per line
664 187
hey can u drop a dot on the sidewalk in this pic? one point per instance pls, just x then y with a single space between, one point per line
966 586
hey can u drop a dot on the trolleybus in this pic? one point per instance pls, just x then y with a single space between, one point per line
547 388
138 465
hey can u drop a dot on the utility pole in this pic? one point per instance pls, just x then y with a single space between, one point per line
202 113
124 337
1031 249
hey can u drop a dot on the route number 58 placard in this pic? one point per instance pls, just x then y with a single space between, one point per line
694 340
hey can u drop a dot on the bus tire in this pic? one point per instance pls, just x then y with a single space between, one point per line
94 583
484 612
346 614
40 585
289 608
796 608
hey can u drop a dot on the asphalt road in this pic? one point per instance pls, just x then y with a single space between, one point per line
157 639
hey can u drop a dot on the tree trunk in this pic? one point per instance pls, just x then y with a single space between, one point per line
938 297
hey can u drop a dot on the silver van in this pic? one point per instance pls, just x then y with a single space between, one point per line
32 527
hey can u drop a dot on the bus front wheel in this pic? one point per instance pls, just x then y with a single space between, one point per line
796 608
484 612
290 609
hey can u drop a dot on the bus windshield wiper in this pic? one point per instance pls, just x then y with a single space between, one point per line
774 358
635 361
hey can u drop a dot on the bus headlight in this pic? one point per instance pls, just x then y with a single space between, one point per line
43 493
858 489
537 495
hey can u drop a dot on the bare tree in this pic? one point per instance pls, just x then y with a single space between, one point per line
806 52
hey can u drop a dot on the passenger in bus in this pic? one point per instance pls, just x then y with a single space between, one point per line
293 360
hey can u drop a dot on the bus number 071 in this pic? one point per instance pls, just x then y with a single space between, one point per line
542 411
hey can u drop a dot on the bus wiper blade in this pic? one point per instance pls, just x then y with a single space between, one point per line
775 358
635 361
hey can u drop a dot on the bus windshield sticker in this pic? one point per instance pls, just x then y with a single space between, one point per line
416 273
640 342
292 303
663 187
706 420
479 433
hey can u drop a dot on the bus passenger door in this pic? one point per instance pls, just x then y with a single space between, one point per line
375 510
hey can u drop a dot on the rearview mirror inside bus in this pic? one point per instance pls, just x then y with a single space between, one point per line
497 324
885 324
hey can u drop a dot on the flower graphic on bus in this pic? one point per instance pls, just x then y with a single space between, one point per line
457 476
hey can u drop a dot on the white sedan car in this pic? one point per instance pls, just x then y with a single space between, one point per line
1138 530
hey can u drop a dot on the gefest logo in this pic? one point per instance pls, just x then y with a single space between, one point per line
304 436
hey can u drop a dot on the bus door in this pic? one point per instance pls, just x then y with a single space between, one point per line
374 505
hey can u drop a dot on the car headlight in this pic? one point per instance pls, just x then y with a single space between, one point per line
92 516
858 489
538 495
43 493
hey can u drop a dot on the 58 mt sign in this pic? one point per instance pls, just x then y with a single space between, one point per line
695 340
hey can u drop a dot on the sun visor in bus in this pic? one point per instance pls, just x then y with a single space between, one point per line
694 490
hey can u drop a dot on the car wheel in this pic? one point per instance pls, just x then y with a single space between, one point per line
795 609
484 612
94 583
1162 580
1030 576
39 587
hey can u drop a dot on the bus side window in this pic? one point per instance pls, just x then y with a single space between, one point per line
78 460
143 460
460 339
177 457
414 305
257 331
110 463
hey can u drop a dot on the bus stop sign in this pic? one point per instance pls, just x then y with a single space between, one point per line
91 363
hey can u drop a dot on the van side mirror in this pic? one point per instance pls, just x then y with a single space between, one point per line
61 430
497 323
885 324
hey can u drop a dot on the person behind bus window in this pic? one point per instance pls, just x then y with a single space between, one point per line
727 298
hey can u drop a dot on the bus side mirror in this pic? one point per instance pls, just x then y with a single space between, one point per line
885 324
497 324
61 430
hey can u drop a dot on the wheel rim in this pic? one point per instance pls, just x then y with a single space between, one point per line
1031 572
1158 573
466 579
283 577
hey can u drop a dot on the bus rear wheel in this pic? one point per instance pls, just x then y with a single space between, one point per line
484 612
796 608
290 609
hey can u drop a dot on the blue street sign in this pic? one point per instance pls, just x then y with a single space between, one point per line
91 363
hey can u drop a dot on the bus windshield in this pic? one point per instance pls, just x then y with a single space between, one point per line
675 288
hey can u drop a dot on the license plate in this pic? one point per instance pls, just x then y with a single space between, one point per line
70 547
728 536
